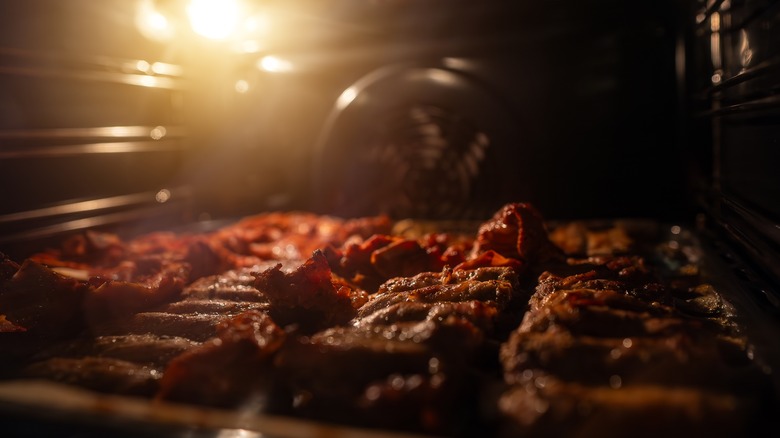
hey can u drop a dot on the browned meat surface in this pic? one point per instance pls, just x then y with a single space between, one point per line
233 285
517 231
399 376
577 239
149 349
308 296
496 292
479 313
447 276
119 299
100 374
40 301
370 263
512 332
549 407
683 359
196 326
229 368
213 306
606 347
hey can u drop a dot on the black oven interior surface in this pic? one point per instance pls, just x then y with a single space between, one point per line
660 119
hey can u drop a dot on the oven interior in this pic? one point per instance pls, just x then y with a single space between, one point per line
119 115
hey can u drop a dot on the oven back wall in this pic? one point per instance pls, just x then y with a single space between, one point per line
101 125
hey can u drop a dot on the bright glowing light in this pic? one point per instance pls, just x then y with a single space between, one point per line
146 81
151 23
242 86
214 19
162 196
256 24
142 66
158 132
275 65
346 98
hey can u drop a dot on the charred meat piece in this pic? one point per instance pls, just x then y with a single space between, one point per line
630 275
195 326
481 314
578 239
146 349
42 302
107 256
683 359
234 285
495 292
550 407
308 296
447 276
369 263
285 236
213 306
517 231
102 374
229 368
587 312
354 375
110 300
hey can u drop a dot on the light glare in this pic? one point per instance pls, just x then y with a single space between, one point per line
274 65
214 19
152 23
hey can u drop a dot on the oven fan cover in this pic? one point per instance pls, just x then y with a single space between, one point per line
411 151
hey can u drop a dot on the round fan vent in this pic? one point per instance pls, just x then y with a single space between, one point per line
419 161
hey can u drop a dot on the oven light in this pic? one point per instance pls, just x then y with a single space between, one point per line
213 19
152 23
274 64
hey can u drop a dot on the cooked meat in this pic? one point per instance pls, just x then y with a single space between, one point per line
369 263
549 407
517 231
496 292
577 239
308 296
340 320
234 285
447 276
683 359
119 299
355 375
229 368
195 326
99 373
148 349
289 236
479 313
629 275
578 314
40 301
213 306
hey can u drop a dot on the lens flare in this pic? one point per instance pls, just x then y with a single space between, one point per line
152 23
213 19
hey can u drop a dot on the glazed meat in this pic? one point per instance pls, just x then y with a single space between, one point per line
226 370
497 292
308 296
504 333
550 408
102 374
606 347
